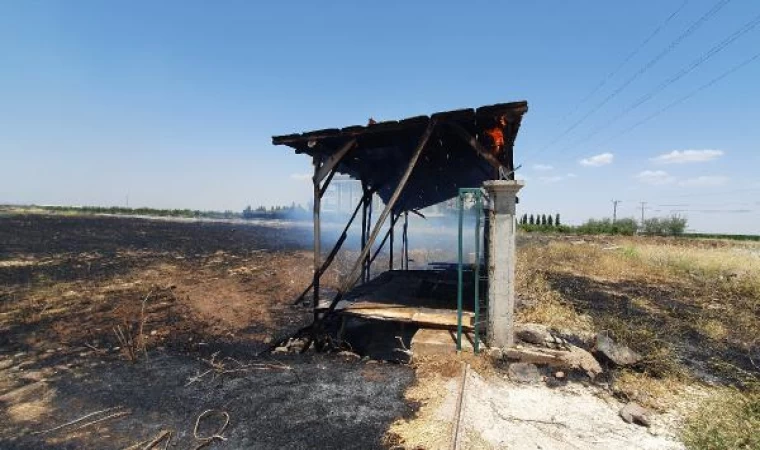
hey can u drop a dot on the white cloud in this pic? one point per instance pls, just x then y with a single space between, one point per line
601 159
655 177
300 176
687 156
542 167
704 181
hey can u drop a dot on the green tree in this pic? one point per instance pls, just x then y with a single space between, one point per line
531 220
556 220
675 225
543 219
550 221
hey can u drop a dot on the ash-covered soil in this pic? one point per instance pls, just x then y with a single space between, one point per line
192 294
313 402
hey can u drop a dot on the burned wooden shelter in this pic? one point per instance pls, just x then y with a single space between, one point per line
410 164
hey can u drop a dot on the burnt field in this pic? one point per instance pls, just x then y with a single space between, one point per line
154 322
115 332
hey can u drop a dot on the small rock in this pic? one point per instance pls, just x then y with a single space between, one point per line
533 333
296 345
280 350
618 354
635 413
268 340
583 339
559 375
153 332
524 373
495 353
6 363
349 355
571 358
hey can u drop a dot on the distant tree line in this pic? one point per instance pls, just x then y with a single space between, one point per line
541 222
142 211
292 211
655 226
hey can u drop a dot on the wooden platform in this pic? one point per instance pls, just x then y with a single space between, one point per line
421 316
423 297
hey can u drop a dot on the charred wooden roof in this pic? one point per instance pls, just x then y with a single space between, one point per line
449 160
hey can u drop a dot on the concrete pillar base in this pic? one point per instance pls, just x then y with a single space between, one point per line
501 263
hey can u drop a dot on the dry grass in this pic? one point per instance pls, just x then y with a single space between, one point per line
728 420
677 302
429 428
546 306
658 393
435 392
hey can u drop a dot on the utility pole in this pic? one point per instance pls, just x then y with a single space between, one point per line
643 206
614 210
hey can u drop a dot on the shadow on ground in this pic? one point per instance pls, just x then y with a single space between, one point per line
662 317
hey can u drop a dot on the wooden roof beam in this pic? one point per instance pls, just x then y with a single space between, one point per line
479 149
333 161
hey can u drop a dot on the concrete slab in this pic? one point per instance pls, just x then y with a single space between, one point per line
431 342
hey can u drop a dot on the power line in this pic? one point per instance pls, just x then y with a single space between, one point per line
685 97
627 59
707 194
711 211
749 26
646 67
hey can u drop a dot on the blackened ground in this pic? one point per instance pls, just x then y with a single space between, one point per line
323 402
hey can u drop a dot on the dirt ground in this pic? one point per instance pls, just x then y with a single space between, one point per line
149 323
204 294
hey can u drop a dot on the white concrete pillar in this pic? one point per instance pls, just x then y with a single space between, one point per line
501 263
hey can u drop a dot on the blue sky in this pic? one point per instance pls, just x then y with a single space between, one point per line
174 103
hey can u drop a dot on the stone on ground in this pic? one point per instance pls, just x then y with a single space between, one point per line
635 413
618 354
524 373
537 334
571 358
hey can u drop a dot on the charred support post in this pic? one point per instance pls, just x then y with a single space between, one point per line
334 252
405 238
368 268
317 237
353 275
394 218
501 263
365 188
323 169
